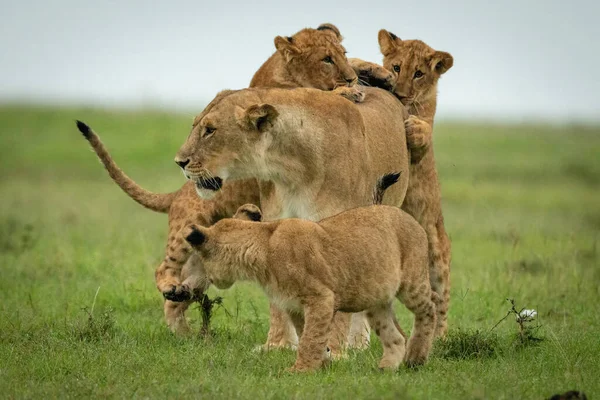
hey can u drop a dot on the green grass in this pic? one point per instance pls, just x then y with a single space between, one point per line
522 205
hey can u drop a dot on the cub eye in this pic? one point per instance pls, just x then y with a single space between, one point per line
397 68
208 131
328 60
418 74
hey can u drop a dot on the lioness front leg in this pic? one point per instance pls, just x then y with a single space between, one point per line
282 333
418 137
318 316
372 74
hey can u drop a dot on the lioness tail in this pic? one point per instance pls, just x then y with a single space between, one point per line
382 184
159 202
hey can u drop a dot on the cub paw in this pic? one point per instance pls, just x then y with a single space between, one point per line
372 74
354 94
178 293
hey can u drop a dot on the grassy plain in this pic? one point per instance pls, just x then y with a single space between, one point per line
522 205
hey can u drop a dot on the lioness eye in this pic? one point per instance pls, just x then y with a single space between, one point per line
397 68
208 131
418 74
328 60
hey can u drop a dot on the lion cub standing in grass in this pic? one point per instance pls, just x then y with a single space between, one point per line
358 260
417 68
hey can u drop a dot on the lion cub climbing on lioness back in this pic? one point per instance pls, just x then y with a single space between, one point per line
360 259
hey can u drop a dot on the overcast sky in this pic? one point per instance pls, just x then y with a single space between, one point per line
512 58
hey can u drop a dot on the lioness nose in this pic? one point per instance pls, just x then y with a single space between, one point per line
183 163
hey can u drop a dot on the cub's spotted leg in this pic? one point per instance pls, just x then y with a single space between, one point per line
382 319
175 316
318 315
194 280
168 273
439 273
417 298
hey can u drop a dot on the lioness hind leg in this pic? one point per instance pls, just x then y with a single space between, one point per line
338 340
394 345
282 333
360 332
417 298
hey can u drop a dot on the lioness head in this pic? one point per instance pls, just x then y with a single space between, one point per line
416 66
232 130
316 58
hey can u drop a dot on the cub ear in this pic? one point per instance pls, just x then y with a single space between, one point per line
248 212
441 62
285 46
332 29
387 42
258 117
194 235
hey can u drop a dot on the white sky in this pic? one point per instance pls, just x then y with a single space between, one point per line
512 58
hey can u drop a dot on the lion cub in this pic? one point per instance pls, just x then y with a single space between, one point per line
358 260
417 69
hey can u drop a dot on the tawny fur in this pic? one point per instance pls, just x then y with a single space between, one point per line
357 260
423 198
318 152
309 70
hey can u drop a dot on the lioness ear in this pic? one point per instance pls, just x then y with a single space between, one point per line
387 42
248 212
258 117
195 235
286 48
333 29
441 62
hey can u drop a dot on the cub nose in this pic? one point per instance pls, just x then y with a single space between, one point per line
350 81
183 163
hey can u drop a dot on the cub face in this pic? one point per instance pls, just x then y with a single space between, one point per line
315 58
416 66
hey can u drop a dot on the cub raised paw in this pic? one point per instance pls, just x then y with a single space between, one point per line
354 93
418 137
372 74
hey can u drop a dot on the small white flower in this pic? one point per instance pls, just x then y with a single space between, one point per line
527 315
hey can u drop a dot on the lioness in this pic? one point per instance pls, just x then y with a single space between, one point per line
417 69
360 259
305 142
311 58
